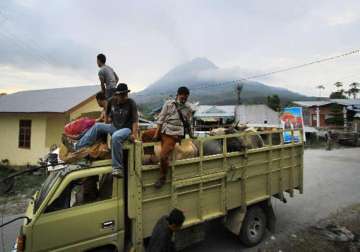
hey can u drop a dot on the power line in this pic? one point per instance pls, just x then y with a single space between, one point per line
282 70
286 69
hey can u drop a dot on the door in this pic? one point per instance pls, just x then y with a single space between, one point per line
85 212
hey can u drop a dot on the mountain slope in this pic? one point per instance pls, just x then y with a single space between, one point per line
203 78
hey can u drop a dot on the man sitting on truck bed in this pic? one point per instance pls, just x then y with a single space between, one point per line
173 123
161 237
121 111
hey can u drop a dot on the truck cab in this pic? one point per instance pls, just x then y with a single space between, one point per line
78 208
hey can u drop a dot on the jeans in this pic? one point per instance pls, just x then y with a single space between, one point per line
109 92
118 138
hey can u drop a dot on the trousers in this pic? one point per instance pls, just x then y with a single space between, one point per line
118 136
168 143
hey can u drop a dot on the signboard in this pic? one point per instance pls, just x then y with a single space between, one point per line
292 119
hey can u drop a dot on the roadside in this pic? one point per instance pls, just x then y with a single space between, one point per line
15 201
339 232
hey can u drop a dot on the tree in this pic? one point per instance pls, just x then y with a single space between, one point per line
354 89
338 94
338 85
274 102
348 93
320 87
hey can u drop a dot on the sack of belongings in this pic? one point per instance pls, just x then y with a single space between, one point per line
96 151
77 127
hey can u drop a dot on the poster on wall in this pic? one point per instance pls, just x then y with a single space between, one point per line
292 119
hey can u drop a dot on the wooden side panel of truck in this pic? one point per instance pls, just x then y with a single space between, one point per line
207 187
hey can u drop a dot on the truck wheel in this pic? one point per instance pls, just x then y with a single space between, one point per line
254 226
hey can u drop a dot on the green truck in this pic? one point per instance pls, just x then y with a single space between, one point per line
84 208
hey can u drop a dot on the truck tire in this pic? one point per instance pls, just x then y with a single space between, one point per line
254 227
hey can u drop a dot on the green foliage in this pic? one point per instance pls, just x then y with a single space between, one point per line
338 94
273 102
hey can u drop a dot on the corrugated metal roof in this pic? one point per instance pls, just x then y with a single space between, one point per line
312 103
47 100
344 102
347 102
215 111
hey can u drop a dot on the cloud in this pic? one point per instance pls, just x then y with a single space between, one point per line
344 18
59 39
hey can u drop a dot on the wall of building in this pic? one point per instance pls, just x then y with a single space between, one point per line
325 112
9 138
86 107
256 114
46 130
54 128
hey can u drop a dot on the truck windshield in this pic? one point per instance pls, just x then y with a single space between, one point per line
45 188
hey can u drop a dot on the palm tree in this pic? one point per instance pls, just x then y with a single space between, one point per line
348 93
320 87
338 85
354 89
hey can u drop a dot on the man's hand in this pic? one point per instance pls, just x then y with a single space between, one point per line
156 136
133 138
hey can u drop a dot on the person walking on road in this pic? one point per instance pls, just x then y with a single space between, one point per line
108 77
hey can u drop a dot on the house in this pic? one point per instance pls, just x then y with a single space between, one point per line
321 114
253 115
210 116
32 121
258 115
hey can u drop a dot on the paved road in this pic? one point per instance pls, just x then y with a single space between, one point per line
331 181
9 233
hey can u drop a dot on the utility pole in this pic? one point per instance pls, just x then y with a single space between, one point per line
239 88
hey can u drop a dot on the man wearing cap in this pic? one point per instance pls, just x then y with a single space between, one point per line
173 123
121 119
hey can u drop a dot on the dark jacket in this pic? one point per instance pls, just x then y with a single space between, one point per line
161 238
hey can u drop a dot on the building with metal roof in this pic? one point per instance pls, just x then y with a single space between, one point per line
320 113
32 121
56 100
256 114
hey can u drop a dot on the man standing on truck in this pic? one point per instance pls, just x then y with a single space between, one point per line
173 123
121 122
108 77
161 237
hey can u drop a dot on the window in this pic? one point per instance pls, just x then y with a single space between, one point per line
25 134
84 191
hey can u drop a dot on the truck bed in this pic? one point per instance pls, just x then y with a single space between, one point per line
207 187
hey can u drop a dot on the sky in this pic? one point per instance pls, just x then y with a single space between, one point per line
48 44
